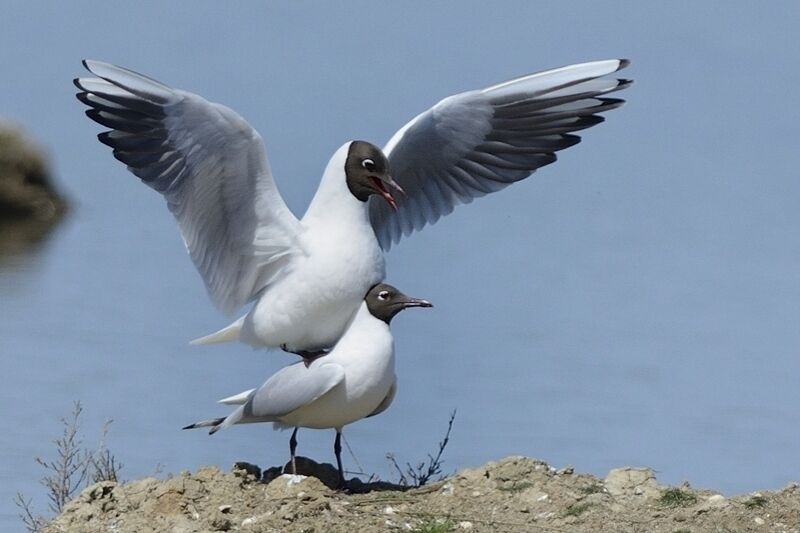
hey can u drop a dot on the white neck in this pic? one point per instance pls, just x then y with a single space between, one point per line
333 199
365 333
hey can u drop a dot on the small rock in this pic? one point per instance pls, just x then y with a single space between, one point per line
224 508
476 493
447 489
293 479
389 510
255 519
291 486
626 482
758 520
542 498
242 469
465 524
219 522
100 490
206 473
717 501
193 512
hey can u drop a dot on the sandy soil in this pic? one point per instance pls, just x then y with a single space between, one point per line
515 494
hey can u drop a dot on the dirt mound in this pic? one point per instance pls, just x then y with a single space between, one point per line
515 494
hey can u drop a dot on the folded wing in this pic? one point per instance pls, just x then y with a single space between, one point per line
292 388
212 169
479 142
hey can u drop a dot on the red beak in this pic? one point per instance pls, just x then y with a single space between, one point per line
377 183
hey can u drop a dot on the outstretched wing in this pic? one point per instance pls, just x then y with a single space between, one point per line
479 142
212 169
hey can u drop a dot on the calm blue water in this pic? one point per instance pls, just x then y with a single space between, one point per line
636 303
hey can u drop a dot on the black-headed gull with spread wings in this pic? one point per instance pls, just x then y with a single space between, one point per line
307 277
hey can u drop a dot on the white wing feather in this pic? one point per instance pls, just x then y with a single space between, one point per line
212 169
479 142
292 388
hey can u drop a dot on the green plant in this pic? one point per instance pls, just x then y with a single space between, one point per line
594 488
576 509
676 497
756 502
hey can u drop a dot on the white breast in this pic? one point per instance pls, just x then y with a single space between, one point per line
310 307
366 353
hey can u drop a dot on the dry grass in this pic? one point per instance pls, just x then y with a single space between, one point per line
421 473
73 468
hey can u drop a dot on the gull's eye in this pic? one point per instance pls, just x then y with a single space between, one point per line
369 164
383 295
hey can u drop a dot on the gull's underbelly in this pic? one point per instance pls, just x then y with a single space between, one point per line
311 306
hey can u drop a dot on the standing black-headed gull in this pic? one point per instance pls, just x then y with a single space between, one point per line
307 277
355 380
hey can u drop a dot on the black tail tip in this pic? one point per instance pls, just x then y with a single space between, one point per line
623 63
190 426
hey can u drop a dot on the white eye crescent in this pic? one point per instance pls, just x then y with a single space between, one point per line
369 164
383 295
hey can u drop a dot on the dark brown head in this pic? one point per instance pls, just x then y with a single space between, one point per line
367 172
385 301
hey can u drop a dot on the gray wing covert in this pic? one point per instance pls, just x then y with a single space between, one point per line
479 142
212 169
293 387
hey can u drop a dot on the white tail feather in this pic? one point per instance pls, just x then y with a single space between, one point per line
237 399
226 334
